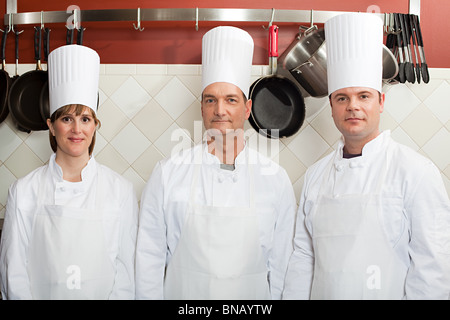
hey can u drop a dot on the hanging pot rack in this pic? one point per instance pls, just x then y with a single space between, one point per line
196 15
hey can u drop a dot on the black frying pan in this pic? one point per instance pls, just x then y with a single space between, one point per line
278 108
24 96
5 82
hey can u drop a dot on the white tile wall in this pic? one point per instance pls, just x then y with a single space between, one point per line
147 110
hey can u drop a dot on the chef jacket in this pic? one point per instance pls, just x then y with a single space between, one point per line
120 212
164 205
415 215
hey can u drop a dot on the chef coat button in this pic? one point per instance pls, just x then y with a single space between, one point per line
220 179
235 179
62 189
339 167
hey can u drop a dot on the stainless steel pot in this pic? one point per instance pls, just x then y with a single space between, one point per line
306 60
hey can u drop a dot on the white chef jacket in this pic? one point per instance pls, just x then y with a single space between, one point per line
120 234
164 205
415 215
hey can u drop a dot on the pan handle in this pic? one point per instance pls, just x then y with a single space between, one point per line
3 49
46 43
69 36
17 51
80 36
37 46
273 41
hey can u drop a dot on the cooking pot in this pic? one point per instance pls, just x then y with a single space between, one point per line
306 61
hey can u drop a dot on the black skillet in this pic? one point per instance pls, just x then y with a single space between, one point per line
278 108
24 96
5 82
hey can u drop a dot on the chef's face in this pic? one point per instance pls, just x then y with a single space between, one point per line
224 107
356 112
74 130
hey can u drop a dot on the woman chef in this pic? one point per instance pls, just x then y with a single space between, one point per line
215 224
374 216
70 226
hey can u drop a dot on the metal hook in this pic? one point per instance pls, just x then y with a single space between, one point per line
138 21
271 20
11 24
42 20
196 19
312 17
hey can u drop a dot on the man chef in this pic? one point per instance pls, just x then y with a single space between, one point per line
70 225
374 217
213 223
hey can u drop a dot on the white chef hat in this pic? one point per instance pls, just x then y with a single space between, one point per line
73 74
227 55
354 51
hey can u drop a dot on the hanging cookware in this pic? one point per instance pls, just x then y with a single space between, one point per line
5 82
24 96
306 60
278 108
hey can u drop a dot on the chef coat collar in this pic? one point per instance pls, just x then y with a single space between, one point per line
211 159
368 150
88 171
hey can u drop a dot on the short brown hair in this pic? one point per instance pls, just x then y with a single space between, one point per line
68 109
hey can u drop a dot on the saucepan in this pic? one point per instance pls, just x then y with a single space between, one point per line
278 108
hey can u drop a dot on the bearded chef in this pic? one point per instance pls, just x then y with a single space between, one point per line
374 217
70 225
214 224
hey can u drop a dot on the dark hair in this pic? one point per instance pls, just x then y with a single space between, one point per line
68 109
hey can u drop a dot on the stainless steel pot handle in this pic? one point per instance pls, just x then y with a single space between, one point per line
304 31
297 69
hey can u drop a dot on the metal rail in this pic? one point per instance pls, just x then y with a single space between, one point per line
173 14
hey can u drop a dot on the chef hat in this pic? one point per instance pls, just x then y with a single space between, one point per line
227 54
354 51
73 73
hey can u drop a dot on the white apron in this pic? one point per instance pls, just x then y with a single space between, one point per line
219 255
353 257
67 257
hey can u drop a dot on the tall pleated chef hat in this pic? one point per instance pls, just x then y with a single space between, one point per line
73 74
354 44
227 55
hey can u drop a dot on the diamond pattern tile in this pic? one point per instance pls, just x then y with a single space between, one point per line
38 142
434 148
149 111
421 118
400 102
308 146
434 102
130 97
175 98
6 178
130 142
152 120
9 141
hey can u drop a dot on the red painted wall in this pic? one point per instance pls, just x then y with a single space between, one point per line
180 43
